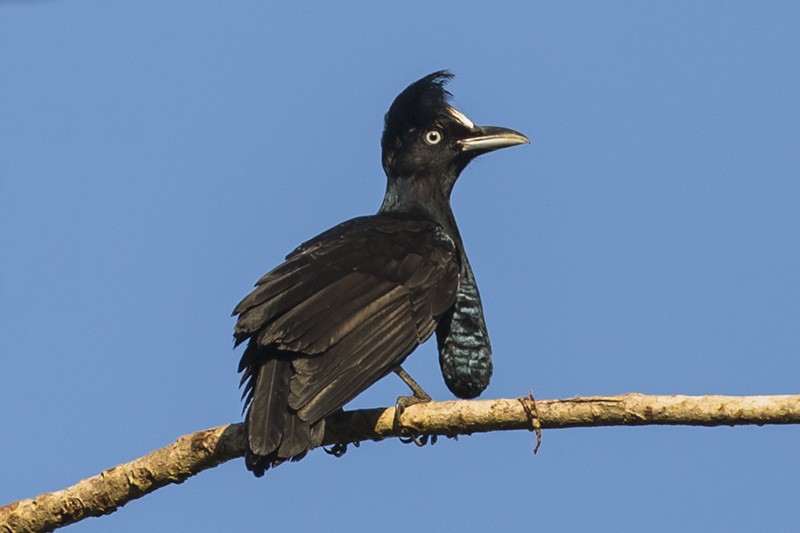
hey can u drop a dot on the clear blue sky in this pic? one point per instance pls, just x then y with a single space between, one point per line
156 158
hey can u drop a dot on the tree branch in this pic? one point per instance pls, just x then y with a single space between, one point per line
191 454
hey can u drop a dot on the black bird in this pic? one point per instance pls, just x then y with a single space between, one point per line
347 307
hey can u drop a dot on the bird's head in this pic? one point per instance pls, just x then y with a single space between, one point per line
427 143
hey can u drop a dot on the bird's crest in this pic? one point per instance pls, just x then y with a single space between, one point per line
419 105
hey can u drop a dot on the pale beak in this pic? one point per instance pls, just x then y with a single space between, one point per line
491 138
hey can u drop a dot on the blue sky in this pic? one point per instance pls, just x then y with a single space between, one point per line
156 158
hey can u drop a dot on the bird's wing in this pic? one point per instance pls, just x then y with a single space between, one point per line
349 305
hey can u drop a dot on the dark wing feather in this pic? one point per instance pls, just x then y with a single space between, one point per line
271 299
267 415
354 374
342 311
374 342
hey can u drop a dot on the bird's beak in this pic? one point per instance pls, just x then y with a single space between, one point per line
490 138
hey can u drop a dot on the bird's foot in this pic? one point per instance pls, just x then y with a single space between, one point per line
403 402
419 440
420 396
340 448
409 435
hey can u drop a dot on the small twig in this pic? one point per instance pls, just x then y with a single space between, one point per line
532 410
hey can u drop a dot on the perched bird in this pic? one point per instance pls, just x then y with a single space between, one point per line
347 307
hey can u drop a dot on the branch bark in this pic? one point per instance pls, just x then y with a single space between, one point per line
191 454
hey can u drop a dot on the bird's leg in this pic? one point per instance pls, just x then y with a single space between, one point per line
419 393
420 396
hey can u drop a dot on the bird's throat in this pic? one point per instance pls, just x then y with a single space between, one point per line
420 197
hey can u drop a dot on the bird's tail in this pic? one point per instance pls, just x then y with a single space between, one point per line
274 431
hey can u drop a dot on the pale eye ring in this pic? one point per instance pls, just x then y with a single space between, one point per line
432 137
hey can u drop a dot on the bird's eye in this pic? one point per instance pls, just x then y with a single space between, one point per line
433 136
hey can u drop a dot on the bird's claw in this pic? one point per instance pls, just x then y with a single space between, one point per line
339 449
419 440
403 402
400 406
